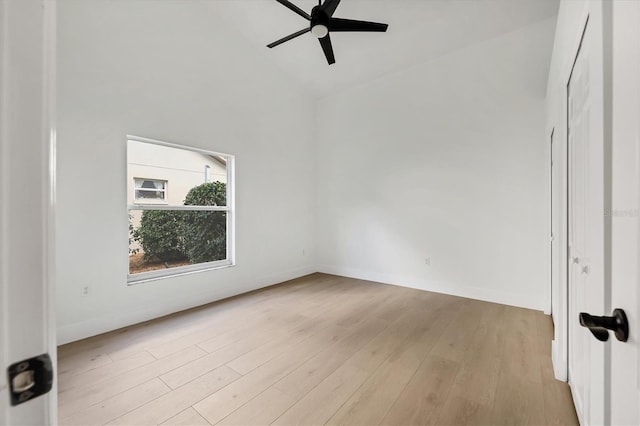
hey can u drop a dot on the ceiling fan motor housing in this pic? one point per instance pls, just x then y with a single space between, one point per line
319 17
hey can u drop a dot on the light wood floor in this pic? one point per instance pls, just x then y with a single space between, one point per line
320 349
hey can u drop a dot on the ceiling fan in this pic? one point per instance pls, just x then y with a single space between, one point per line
322 23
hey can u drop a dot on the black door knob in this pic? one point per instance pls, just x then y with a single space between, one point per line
600 326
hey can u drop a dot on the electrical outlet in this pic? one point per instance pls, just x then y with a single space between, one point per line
85 291
427 261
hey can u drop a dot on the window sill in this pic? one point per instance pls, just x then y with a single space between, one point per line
178 271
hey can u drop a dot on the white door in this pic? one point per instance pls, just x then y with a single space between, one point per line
26 89
586 230
625 253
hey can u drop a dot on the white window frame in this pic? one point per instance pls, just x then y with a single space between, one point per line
163 200
141 277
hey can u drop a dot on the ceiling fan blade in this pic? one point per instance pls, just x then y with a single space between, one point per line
289 37
296 9
325 42
330 6
337 24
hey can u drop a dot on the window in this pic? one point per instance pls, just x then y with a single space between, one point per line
149 189
185 229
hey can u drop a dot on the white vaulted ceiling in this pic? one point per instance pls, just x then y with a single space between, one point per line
419 30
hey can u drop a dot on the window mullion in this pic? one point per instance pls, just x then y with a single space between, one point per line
180 208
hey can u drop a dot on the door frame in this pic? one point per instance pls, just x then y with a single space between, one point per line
551 234
33 114
622 213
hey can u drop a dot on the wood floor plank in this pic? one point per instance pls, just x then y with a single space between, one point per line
124 342
264 312
456 339
188 417
371 355
80 362
192 370
461 411
75 400
264 409
477 379
323 401
233 336
520 352
430 323
163 408
472 394
116 406
103 372
518 401
370 402
220 404
425 394
558 402
128 341
307 376
558 405
211 331
276 346
262 324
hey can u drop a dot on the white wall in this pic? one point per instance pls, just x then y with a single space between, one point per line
446 160
171 70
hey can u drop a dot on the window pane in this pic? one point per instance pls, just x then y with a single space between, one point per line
161 239
149 194
149 184
192 177
149 189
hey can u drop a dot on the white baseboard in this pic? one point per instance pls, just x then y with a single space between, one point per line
520 300
110 322
559 364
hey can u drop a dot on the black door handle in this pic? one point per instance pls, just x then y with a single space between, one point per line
600 326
